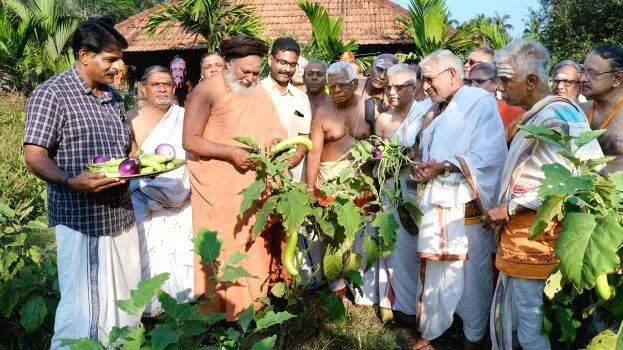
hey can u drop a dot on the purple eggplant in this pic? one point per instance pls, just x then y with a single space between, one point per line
100 159
166 150
130 166
377 153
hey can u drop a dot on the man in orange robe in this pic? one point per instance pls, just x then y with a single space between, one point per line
220 108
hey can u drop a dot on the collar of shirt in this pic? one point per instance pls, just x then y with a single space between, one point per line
82 85
269 84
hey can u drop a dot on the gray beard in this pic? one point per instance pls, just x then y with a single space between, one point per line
235 86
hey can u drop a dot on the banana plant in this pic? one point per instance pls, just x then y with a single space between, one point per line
326 40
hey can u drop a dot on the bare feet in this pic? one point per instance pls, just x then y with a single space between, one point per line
420 344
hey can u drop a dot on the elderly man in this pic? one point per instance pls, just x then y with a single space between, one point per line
220 108
315 78
336 125
478 55
525 263
70 119
458 177
566 80
297 79
291 103
484 76
602 82
162 205
374 86
393 281
211 63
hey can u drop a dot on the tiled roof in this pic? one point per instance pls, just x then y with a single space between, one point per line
365 21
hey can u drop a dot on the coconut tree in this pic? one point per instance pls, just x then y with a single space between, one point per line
427 24
492 35
214 20
502 21
326 39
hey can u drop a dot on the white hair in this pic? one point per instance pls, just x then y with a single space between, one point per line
446 59
340 66
403 68
566 63
530 57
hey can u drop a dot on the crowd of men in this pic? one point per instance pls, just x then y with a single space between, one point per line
476 170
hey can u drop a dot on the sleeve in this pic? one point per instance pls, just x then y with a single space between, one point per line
43 119
305 122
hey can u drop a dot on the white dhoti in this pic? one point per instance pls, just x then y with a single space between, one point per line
164 217
93 272
517 314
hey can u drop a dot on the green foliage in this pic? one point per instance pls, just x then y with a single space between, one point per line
326 40
571 28
214 20
427 24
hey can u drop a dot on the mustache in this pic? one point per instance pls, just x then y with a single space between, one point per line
113 71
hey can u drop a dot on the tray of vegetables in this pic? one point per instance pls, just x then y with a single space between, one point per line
140 166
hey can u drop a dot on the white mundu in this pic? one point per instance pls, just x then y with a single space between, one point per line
454 246
163 214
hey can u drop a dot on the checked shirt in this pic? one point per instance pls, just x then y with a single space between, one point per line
74 125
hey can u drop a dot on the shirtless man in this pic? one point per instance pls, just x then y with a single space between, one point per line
337 124
602 82
374 85
401 90
315 78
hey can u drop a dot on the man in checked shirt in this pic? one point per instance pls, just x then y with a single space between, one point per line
72 118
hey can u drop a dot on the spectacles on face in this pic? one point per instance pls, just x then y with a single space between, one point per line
593 74
286 63
565 82
398 88
341 85
429 80
470 81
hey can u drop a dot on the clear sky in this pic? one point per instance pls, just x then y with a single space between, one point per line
463 10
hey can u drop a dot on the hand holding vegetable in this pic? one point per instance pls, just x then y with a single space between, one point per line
93 182
241 159
426 171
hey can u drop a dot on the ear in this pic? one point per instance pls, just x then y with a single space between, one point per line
141 91
618 79
532 81
228 66
270 59
84 57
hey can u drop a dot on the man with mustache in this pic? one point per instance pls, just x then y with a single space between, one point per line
602 83
220 108
162 205
457 178
566 80
315 82
374 86
71 118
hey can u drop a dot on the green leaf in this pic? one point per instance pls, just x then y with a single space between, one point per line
135 339
371 248
355 279
82 344
236 257
559 181
162 336
32 313
414 211
335 306
587 136
129 307
250 195
245 318
271 318
233 333
171 307
216 317
605 340
332 265
6 211
265 344
262 215
387 226
207 245
542 132
248 141
233 273
568 323
117 333
551 207
553 284
619 345
36 225
293 207
142 295
588 248
617 178
350 218
279 289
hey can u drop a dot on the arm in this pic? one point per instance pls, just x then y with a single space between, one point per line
313 157
196 116
297 158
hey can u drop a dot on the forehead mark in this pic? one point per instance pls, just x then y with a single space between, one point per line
505 70
561 76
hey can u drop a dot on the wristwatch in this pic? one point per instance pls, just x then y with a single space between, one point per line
446 167
512 208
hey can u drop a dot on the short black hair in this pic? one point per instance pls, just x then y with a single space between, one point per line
416 67
242 46
285 44
96 35
612 53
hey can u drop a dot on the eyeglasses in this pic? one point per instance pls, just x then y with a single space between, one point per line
429 80
593 74
286 63
343 86
398 88
565 82
468 81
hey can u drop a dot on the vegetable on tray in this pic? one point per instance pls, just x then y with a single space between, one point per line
144 164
